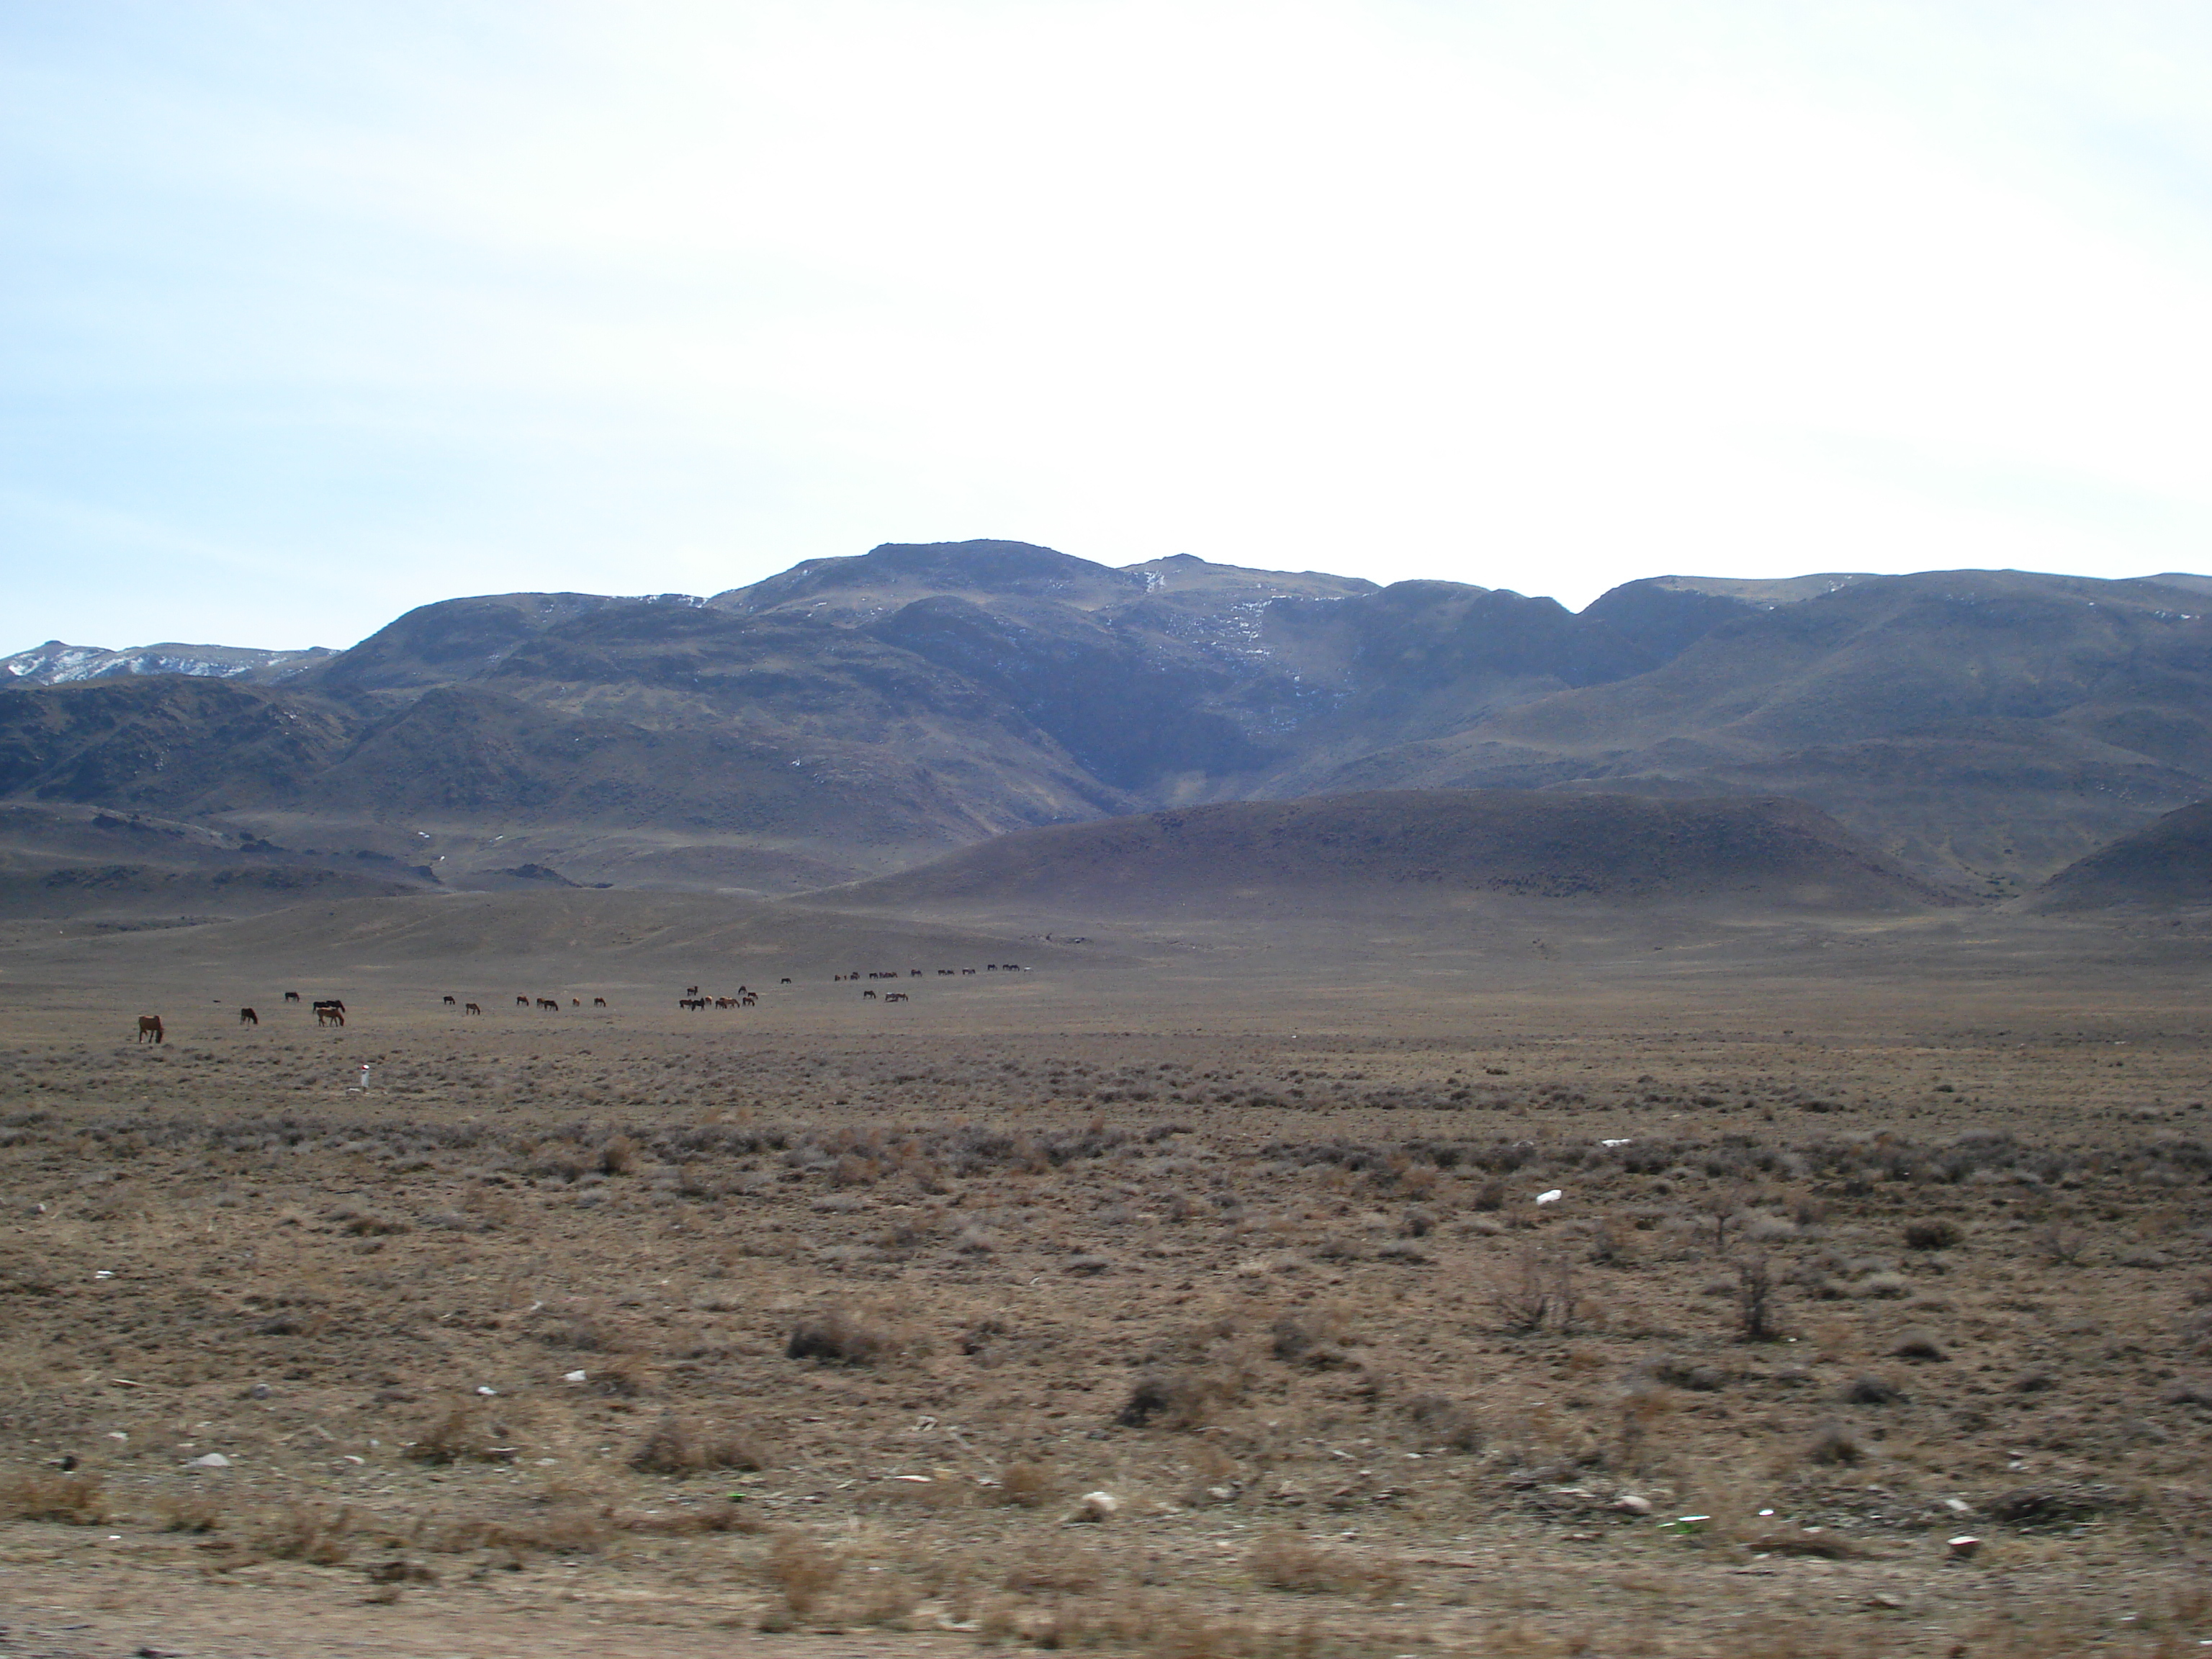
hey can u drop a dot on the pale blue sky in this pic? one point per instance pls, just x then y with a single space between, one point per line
311 311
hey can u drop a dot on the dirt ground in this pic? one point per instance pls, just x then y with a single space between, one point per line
1182 1292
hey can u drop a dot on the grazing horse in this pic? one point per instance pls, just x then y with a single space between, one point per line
449 1002
870 995
522 1002
247 1017
749 1000
897 996
548 1002
331 1005
599 1002
327 1015
690 990
913 973
470 1008
149 1028
291 996
783 981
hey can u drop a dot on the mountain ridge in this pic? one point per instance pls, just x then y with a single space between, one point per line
851 717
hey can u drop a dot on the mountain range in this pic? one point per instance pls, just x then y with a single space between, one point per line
853 717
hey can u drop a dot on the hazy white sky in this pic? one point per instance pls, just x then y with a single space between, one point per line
312 311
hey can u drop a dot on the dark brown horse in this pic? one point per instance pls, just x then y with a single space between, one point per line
149 1028
247 1017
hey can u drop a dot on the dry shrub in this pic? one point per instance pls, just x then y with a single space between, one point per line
688 1523
1931 1236
805 1571
1180 1400
368 1223
305 1533
194 1511
1026 1485
74 1500
1873 1391
624 1376
1443 1422
1829 1545
619 1155
839 1337
677 1446
463 1435
1284 1562
1040 1572
1918 1345
564 1531
2061 1244
1758 1318
1315 1340
1836 1443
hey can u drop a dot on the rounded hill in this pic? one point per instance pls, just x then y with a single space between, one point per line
2166 864
1545 845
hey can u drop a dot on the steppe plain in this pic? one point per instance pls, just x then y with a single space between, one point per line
813 1326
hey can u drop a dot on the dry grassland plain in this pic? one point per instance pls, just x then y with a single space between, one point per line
817 1325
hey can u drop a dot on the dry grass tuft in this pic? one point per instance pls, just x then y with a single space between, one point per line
74 1500
463 1435
677 1446
805 1569
840 1338
1836 1443
1179 1400
1027 1486
1443 1422
303 1532
1284 1561
194 1511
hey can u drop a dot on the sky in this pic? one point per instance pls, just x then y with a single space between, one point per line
310 314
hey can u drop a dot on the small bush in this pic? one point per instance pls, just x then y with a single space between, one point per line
618 1156
805 1569
1918 1345
838 1338
74 1500
1176 1400
305 1533
678 1446
462 1435
1283 1562
1026 1486
1443 1422
2061 1245
1873 1391
1931 1236
1836 1443
1756 1294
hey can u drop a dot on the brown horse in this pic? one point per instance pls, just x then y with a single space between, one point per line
291 996
149 1028
470 1008
247 1017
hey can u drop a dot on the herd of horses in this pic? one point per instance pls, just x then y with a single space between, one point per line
331 1011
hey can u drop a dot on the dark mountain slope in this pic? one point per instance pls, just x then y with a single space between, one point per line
1985 720
2166 865
169 742
855 715
1417 841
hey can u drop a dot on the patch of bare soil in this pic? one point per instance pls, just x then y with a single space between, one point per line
1238 1329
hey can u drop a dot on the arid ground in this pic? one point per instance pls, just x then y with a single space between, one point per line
820 1326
